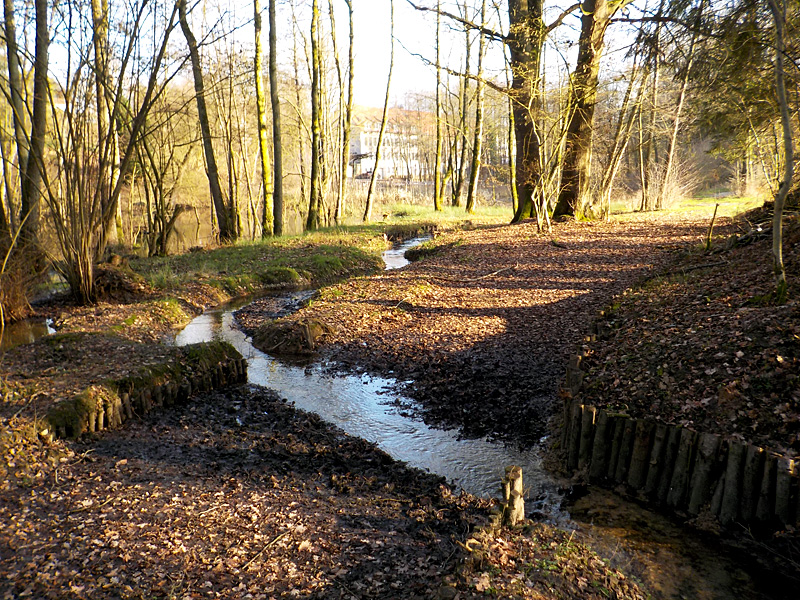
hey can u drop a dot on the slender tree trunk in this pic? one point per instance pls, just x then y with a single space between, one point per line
676 124
18 113
348 119
314 219
625 119
463 122
277 143
267 218
108 151
778 10
34 168
477 145
227 232
438 191
576 169
384 119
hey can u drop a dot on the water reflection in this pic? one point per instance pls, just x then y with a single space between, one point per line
24 332
395 257
363 406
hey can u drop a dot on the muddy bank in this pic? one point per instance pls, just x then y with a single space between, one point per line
241 496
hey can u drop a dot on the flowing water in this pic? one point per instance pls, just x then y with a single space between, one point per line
671 562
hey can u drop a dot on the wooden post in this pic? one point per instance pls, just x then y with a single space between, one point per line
656 459
576 417
126 403
599 464
670 455
679 482
766 495
587 433
92 424
513 496
641 454
625 450
618 428
700 486
783 490
733 483
751 482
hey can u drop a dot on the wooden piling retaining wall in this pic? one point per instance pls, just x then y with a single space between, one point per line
674 467
113 403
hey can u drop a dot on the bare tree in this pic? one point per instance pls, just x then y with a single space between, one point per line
267 222
277 143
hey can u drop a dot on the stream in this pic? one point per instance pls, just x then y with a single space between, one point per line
671 561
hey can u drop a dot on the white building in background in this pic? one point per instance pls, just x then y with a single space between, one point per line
400 151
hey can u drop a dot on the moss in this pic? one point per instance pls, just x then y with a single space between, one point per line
71 415
276 275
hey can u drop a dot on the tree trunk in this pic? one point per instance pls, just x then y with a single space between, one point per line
34 167
348 119
576 169
477 145
437 168
778 10
384 119
314 219
277 143
525 41
267 222
227 232
673 140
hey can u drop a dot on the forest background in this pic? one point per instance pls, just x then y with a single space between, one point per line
150 127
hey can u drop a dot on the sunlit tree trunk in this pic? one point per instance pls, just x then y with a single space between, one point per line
477 144
525 41
227 231
676 124
438 192
314 219
277 143
267 222
778 10
576 169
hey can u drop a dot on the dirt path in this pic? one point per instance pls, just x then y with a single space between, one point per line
484 327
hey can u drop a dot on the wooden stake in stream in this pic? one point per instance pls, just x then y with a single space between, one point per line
513 498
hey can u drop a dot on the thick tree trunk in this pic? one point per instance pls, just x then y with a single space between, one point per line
525 40
267 222
576 169
277 143
34 168
227 231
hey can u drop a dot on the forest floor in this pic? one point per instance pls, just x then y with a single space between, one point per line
242 496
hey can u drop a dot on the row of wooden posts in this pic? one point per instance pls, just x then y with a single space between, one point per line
112 409
680 469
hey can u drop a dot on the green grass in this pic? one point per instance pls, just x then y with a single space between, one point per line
701 206
311 258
